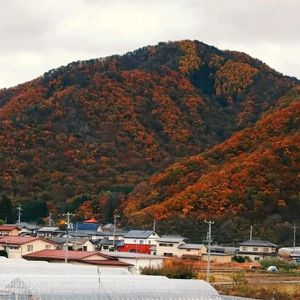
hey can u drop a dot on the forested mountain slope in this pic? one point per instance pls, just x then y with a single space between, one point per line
253 176
107 124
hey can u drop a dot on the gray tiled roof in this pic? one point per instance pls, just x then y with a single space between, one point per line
171 238
258 243
48 229
190 246
139 234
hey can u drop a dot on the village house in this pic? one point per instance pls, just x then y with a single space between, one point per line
9 230
138 260
257 250
17 246
220 254
27 229
138 241
175 245
80 244
49 232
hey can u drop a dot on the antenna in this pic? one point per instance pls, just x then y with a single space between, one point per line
209 246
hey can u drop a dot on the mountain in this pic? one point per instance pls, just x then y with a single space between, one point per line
253 177
87 133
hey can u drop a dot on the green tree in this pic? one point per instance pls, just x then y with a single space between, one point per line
6 209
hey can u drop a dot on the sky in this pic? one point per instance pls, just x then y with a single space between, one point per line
39 35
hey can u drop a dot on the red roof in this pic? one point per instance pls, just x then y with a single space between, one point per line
107 262
60 254
92 220
8 227
20 240
79 256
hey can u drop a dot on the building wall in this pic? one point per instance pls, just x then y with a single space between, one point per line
139 263
226 258
19 250
14 232
255 249
168 249
137 248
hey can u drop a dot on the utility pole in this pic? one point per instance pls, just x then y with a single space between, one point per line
294 242
209 240
154 225
68 215
19 209
50 219
251 231
114 232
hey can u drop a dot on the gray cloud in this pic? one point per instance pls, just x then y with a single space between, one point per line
40 35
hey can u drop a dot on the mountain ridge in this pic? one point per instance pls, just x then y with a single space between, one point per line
107 124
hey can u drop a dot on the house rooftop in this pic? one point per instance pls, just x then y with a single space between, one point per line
79 256
8 227
20 240
134 255
258 243
139 234
48 229
191 246
28 226
172 238
60 254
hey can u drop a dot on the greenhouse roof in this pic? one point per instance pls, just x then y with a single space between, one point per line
25 280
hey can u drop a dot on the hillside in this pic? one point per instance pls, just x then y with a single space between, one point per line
253 177
106 124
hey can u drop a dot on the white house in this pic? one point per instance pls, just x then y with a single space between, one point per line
138 260
175 245
139 241
256 250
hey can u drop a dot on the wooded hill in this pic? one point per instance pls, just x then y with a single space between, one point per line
83 136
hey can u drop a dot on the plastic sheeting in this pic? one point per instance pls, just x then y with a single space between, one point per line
24 280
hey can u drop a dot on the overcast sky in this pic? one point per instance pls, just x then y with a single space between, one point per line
38 35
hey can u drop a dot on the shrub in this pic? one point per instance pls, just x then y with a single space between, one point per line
279 263
171 271
239 259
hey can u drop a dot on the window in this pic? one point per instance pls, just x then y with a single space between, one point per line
13 247
266 249
244 248
47 246
165 244
255 249
29 248
141 241
168 254
256 258
149 242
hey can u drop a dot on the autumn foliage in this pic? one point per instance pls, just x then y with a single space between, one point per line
83 136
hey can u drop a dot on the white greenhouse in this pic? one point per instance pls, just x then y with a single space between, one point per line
24 280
